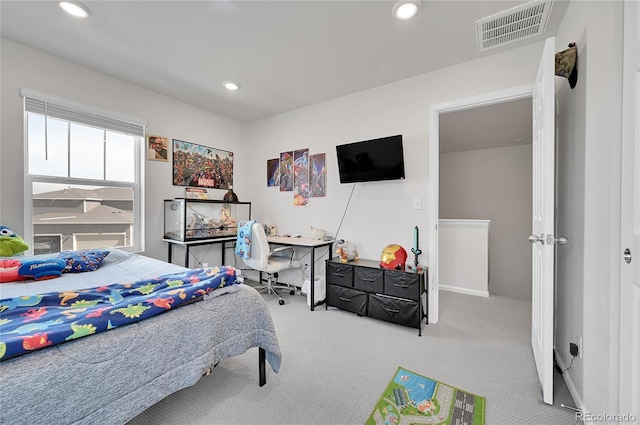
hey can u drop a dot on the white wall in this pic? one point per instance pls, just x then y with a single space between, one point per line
380 213
463 256
587 292
26 67
494 184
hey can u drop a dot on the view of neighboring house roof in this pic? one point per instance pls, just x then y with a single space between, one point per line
102 214
102 194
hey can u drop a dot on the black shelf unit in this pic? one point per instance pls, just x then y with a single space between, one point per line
366 289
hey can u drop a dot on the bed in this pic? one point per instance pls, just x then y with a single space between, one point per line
112 376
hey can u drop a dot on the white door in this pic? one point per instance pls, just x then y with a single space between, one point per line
542 237
630 218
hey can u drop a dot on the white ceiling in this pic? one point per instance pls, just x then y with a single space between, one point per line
285 54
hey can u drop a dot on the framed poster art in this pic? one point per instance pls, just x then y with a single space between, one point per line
286 171
273 172
318 175
301 177
157 148
201 166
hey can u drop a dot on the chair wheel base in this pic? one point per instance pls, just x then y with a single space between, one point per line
292 292
281 302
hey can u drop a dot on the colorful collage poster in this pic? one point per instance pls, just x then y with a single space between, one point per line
301 177
299 172
318 177
273 172
286 171
201 166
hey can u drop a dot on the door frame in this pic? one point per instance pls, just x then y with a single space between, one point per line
629 294
485 99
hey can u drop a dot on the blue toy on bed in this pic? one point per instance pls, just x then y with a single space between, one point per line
20 268
39 269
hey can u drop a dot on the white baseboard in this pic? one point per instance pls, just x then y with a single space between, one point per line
460 290
571 386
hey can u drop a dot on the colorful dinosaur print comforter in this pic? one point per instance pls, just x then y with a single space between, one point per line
34 322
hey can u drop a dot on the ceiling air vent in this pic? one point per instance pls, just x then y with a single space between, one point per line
518 23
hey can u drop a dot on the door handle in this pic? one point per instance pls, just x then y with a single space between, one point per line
627 256
561 240
534 239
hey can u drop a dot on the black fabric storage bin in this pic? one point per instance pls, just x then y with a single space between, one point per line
403 312
403 285
340 274
368 279
347 299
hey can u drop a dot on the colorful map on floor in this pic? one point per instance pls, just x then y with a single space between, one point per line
415 399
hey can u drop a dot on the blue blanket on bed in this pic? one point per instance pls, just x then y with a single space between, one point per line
38 321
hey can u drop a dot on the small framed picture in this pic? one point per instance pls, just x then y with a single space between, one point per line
196 193
157 148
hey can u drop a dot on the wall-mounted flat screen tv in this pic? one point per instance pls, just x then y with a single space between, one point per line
371 160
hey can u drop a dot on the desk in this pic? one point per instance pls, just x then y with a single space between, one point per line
312 244
189 244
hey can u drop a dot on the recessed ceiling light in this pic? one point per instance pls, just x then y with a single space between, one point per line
75 8
405 9
230 85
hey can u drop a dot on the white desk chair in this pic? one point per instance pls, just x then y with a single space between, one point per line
270 261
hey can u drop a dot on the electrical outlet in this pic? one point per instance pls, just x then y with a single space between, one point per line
205 265
580 347
573 349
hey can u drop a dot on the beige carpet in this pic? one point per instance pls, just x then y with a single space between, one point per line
335 364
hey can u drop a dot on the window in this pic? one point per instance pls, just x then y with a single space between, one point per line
44 244
84 169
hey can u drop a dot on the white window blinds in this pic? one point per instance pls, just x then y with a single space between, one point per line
50 106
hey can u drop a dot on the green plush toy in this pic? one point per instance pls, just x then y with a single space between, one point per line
10 242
